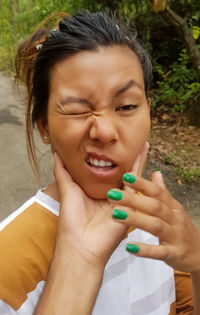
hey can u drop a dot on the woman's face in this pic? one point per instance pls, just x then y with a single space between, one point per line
98 116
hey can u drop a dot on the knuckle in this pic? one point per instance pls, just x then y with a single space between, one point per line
158 191
158 227
165 253
180 254
180 216
157 207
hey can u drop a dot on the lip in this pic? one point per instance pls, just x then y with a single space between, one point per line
102 173
99 157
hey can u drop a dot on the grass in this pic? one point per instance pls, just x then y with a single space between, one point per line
7 58
187 174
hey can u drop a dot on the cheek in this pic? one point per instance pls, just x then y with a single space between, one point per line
136 136
138 130
66 138
68 132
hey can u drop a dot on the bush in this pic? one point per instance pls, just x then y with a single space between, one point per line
177 86
7 57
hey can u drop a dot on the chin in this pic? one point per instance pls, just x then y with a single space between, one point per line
99 191
100 195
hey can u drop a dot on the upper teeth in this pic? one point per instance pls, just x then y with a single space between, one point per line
99 162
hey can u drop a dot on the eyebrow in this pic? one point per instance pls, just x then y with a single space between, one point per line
129 85
73 99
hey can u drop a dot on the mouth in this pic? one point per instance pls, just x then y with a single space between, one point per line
100 162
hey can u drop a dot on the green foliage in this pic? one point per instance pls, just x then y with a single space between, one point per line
177 86
175 83
7 56
189 175
196 32
168 159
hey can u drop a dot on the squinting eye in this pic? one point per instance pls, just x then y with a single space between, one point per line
126 107
79 114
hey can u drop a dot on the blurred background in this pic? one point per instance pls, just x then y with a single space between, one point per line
170 31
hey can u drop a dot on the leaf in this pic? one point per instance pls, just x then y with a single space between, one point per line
179 181
196 32
159 5
165 117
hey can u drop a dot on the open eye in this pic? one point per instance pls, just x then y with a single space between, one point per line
126 108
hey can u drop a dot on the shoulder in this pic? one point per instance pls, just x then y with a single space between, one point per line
27 241
30 222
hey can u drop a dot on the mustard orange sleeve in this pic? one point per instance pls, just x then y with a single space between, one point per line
184 297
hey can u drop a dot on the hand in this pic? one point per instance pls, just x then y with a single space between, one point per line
85 225
161 215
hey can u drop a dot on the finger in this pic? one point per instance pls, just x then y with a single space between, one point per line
148 188
145 204
143 158
63 179
157 178
139 163
135 167
148 223
158 252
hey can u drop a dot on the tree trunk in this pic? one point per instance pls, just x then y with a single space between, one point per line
12 7
13 12
17 6
185 34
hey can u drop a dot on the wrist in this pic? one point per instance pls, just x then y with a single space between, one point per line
71 285
79 252
69 257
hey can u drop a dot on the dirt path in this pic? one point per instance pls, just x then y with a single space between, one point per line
17 182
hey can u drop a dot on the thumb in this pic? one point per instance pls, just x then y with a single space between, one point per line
63 179
143 158
140 162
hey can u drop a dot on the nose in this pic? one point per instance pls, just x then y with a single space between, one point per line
103 130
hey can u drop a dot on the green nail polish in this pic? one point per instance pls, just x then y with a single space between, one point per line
132 248
115 195
119 214
129 178
157 170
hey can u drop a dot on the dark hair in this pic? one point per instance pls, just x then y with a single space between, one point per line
83 31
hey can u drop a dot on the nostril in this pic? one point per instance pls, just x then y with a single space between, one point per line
103 131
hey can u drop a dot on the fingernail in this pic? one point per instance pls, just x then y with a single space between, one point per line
119 214
129 178
132 248
114 195
157 170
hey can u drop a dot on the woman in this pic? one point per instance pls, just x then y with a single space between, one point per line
87 86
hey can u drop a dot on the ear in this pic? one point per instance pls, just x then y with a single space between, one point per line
43 130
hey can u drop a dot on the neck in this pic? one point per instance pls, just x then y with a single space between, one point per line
52 191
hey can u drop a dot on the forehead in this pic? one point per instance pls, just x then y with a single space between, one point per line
105 68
